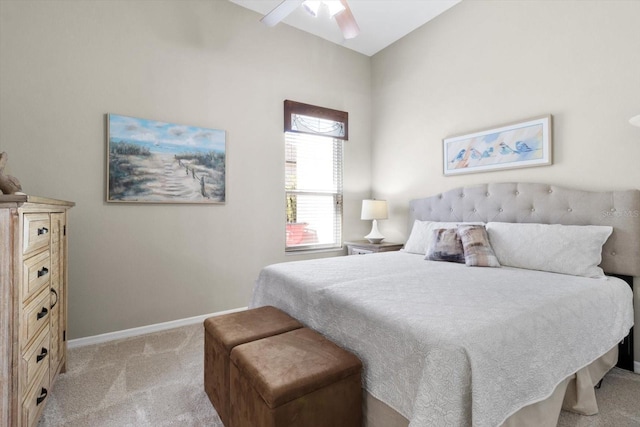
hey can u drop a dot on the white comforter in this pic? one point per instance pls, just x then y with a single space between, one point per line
450 345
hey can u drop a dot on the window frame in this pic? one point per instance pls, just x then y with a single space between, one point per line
291 108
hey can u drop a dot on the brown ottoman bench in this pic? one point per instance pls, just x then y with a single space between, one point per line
299 379
223 333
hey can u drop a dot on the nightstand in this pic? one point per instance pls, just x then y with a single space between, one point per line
363 247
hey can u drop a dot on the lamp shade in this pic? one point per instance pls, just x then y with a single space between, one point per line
635 120
374 209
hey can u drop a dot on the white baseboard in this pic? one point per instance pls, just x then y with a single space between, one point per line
636 367
127 333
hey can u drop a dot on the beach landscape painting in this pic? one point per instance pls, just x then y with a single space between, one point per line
156 162
522 144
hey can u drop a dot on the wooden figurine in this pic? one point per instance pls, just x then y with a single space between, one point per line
8 184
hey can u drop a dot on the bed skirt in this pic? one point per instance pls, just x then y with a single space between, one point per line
576 394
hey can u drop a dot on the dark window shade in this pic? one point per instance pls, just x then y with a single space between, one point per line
293 108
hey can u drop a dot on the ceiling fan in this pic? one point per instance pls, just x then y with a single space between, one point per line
338 9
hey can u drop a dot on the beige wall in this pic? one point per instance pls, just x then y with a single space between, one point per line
65 64
485 63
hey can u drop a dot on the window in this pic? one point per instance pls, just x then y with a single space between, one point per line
313 176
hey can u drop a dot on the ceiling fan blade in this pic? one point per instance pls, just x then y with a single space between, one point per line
347 22
280 12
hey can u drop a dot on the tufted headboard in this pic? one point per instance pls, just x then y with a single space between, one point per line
545 204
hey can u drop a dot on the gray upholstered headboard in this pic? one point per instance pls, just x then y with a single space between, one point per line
546 204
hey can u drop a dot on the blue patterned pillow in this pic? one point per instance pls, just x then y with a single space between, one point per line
445 245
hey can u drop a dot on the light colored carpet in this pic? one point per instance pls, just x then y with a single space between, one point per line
157 380
151 380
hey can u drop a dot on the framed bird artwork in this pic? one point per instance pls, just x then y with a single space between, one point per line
523 144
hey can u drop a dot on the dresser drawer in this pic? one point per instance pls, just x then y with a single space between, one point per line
35 316
36 359
359 251
37 271
35 401
37 229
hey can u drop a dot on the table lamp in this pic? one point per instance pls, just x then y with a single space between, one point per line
374 210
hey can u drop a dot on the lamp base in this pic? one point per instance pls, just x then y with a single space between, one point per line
375 236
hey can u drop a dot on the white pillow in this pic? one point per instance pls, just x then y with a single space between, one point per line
566 249
420 236
417 241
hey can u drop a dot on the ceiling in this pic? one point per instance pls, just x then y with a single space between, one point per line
381 22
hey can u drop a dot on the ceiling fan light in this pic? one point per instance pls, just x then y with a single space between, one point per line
312 6
334 7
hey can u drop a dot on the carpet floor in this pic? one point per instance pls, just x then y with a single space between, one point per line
157 380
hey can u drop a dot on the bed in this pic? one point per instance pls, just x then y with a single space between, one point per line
447 344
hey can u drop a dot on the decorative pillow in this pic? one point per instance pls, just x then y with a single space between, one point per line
566 249
445 245
477 249
421 235
417 241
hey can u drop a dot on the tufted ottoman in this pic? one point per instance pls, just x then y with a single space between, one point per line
299 379
223 333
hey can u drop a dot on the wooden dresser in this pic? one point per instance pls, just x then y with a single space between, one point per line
33 304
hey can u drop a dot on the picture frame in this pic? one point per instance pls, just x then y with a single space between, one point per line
522 144
149 161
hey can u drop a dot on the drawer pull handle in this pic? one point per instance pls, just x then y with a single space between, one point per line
42 355
43 230
42 313
56 301
42 397
43 271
